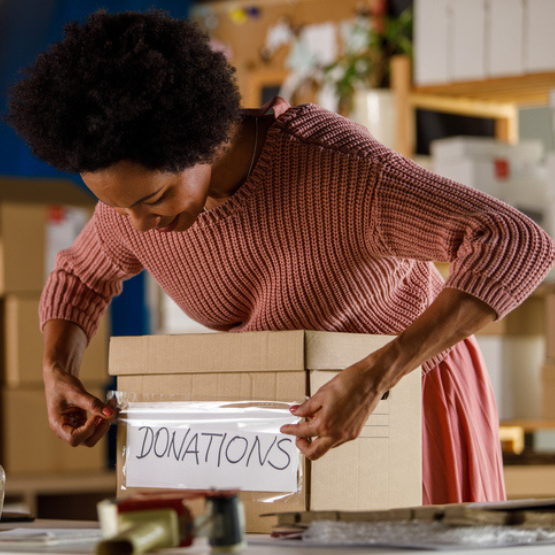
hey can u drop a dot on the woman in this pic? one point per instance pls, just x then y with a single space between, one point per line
269 221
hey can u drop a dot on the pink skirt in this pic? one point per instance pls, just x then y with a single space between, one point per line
462 458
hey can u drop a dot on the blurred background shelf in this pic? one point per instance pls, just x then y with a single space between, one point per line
70 495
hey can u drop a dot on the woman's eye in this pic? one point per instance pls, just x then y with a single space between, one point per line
156 202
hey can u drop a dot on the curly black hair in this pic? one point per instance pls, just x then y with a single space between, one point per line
132 86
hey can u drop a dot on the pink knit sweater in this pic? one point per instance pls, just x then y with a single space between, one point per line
332 231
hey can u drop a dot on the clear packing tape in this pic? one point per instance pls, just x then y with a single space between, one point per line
170 442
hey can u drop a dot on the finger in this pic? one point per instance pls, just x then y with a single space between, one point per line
308 408
90 403
102 427
302 429
315 449
77 435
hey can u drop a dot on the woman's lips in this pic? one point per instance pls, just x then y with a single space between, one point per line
170 227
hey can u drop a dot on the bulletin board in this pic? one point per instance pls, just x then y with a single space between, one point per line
242 27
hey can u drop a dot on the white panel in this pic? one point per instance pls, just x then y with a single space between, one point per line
431 31
468 39
539 36
504 37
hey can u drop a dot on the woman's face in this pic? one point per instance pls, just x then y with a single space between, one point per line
162 201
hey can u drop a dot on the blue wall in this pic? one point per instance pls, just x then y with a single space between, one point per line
27 27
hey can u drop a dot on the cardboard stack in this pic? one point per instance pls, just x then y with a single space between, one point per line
514 174
548 369
513 350
379 470
37 217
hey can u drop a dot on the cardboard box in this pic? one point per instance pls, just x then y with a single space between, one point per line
528 319
381 469
550 326
24 212
514 364
548 389
431 38
504 37
27 443
22 342
455 149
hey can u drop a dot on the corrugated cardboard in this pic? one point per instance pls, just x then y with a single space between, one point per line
550 325
23 346
548 389
23 212
527 319
28 445
381 469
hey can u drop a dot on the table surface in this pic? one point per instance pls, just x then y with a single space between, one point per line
256 545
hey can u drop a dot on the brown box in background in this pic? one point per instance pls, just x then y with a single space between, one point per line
23 346
527 319
23 216
550 326
28 445
381 469
548 389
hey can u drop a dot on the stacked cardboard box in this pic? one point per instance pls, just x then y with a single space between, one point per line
379 470
36 218
513 349
548 370
512 173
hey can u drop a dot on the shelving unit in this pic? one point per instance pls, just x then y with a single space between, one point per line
497 99
30 489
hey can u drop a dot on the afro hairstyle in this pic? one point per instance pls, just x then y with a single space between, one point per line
132 86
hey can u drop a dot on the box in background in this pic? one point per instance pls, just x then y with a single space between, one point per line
513 350
380 471
22 344
514 174
548 389
24 231
29 446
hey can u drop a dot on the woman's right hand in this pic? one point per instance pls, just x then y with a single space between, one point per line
75 415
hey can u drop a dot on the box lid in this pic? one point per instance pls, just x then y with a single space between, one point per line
257 351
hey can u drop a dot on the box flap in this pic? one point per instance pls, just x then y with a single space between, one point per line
335 351
209 352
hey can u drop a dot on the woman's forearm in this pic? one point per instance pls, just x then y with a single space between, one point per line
64 346
453 316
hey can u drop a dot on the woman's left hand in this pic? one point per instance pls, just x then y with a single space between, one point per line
338 411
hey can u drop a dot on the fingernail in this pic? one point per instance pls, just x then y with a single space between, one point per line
107 411
294 408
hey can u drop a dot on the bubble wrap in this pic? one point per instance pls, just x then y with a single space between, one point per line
422 534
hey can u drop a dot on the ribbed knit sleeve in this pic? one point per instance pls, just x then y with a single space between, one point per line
88 274
496 253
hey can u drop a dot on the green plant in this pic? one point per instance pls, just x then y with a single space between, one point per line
369 42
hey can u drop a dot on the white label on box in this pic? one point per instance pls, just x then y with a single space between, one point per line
210 445
64 223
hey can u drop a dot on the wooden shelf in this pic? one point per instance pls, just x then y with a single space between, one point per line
521 89
498 99
28 488
528 425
